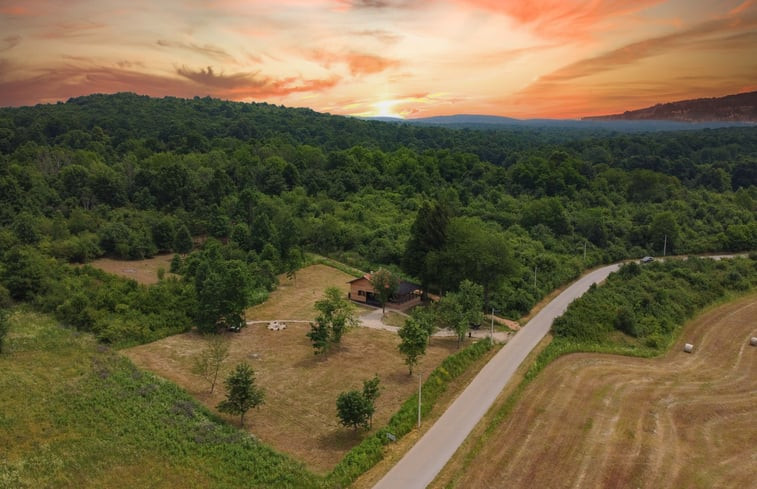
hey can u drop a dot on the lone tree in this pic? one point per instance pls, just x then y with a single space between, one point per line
414 341
241 392
385 284
356 408
208 362
337 315
319 335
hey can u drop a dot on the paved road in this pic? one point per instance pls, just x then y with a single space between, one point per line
423 462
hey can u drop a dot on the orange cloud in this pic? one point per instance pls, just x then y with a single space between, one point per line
562 18
633 52
367 64
742 7
15 10
358 63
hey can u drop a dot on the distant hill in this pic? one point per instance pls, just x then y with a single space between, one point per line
731 108
491 122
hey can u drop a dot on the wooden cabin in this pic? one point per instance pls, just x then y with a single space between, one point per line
361 290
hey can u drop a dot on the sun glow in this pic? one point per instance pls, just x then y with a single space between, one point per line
385 108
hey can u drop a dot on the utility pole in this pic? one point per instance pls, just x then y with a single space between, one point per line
665 246
584 251
419 400
491 333
535 268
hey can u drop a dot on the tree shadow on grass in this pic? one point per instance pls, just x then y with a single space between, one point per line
341 439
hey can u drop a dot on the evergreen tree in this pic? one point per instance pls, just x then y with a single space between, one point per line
182 240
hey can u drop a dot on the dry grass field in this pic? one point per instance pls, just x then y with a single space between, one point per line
143 271
590 421
299 415
295 299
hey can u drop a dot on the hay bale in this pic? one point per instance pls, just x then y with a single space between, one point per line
753 341
688 348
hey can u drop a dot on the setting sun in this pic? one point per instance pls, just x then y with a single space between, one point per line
385 108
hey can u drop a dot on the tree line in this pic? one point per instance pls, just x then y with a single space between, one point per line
518 211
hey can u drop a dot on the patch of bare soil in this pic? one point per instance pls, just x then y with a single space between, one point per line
682 420
143 271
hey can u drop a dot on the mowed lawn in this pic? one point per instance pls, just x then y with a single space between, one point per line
299 415
592 420
295 298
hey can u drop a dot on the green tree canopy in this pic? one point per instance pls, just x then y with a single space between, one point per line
385 284
414 341
242 394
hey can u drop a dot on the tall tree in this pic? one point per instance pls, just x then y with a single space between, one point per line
182 240
471 297
478 253
241 392
414 341
385 284
209 361
371 393
293 262
428 234
221 288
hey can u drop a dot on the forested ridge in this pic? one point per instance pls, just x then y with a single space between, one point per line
518 211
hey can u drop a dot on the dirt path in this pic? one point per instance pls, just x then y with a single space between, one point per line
372 319
682 420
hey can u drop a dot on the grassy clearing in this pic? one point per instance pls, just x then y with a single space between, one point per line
74 414
295 299
299 416
143 271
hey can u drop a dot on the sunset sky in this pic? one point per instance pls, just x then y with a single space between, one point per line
408 58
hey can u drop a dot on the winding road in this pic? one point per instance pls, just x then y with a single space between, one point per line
420 465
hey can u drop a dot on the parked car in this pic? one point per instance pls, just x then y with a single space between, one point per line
647 259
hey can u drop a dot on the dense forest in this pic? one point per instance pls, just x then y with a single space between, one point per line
240 192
